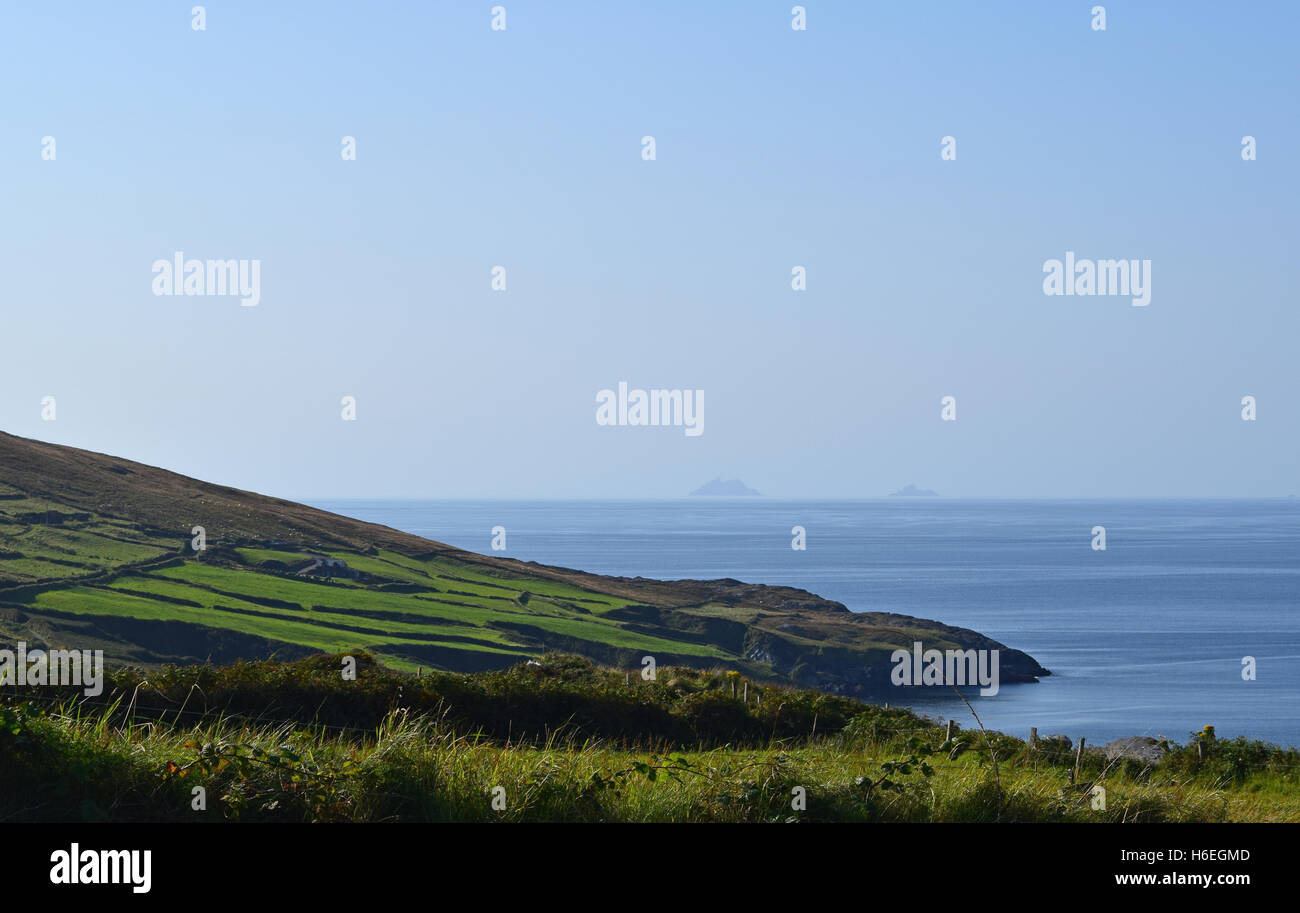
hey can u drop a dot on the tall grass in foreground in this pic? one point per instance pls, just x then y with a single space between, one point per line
67 767
692 752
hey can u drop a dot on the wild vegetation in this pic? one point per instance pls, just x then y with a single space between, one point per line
561 739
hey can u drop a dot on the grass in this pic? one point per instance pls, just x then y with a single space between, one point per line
40 540
251 591
89 566
569 741
315 632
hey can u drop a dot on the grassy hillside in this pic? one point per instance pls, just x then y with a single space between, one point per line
563 740
95 552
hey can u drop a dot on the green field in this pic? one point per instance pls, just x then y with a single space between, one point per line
439 602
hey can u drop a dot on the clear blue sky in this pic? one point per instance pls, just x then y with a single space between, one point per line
775 148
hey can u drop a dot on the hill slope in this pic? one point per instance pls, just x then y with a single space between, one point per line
95 553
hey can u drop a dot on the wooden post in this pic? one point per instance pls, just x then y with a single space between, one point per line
1033 738
1200 751
627 679
1078 756
948 737
746 697
419 671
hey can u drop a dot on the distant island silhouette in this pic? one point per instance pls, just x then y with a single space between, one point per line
719 488
911 491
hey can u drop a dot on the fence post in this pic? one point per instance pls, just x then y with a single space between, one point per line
948 736
746 697
1078 756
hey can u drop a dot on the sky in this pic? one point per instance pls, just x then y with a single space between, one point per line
773 148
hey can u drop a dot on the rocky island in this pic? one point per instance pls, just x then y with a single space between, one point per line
911 491
720 489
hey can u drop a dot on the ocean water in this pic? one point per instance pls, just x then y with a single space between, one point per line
1144 638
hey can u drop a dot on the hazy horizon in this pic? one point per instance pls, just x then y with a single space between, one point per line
315 497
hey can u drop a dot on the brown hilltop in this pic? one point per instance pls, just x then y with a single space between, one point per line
164 500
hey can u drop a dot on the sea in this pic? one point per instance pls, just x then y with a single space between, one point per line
1150 636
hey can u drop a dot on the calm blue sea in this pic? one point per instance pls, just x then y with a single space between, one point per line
1146 637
